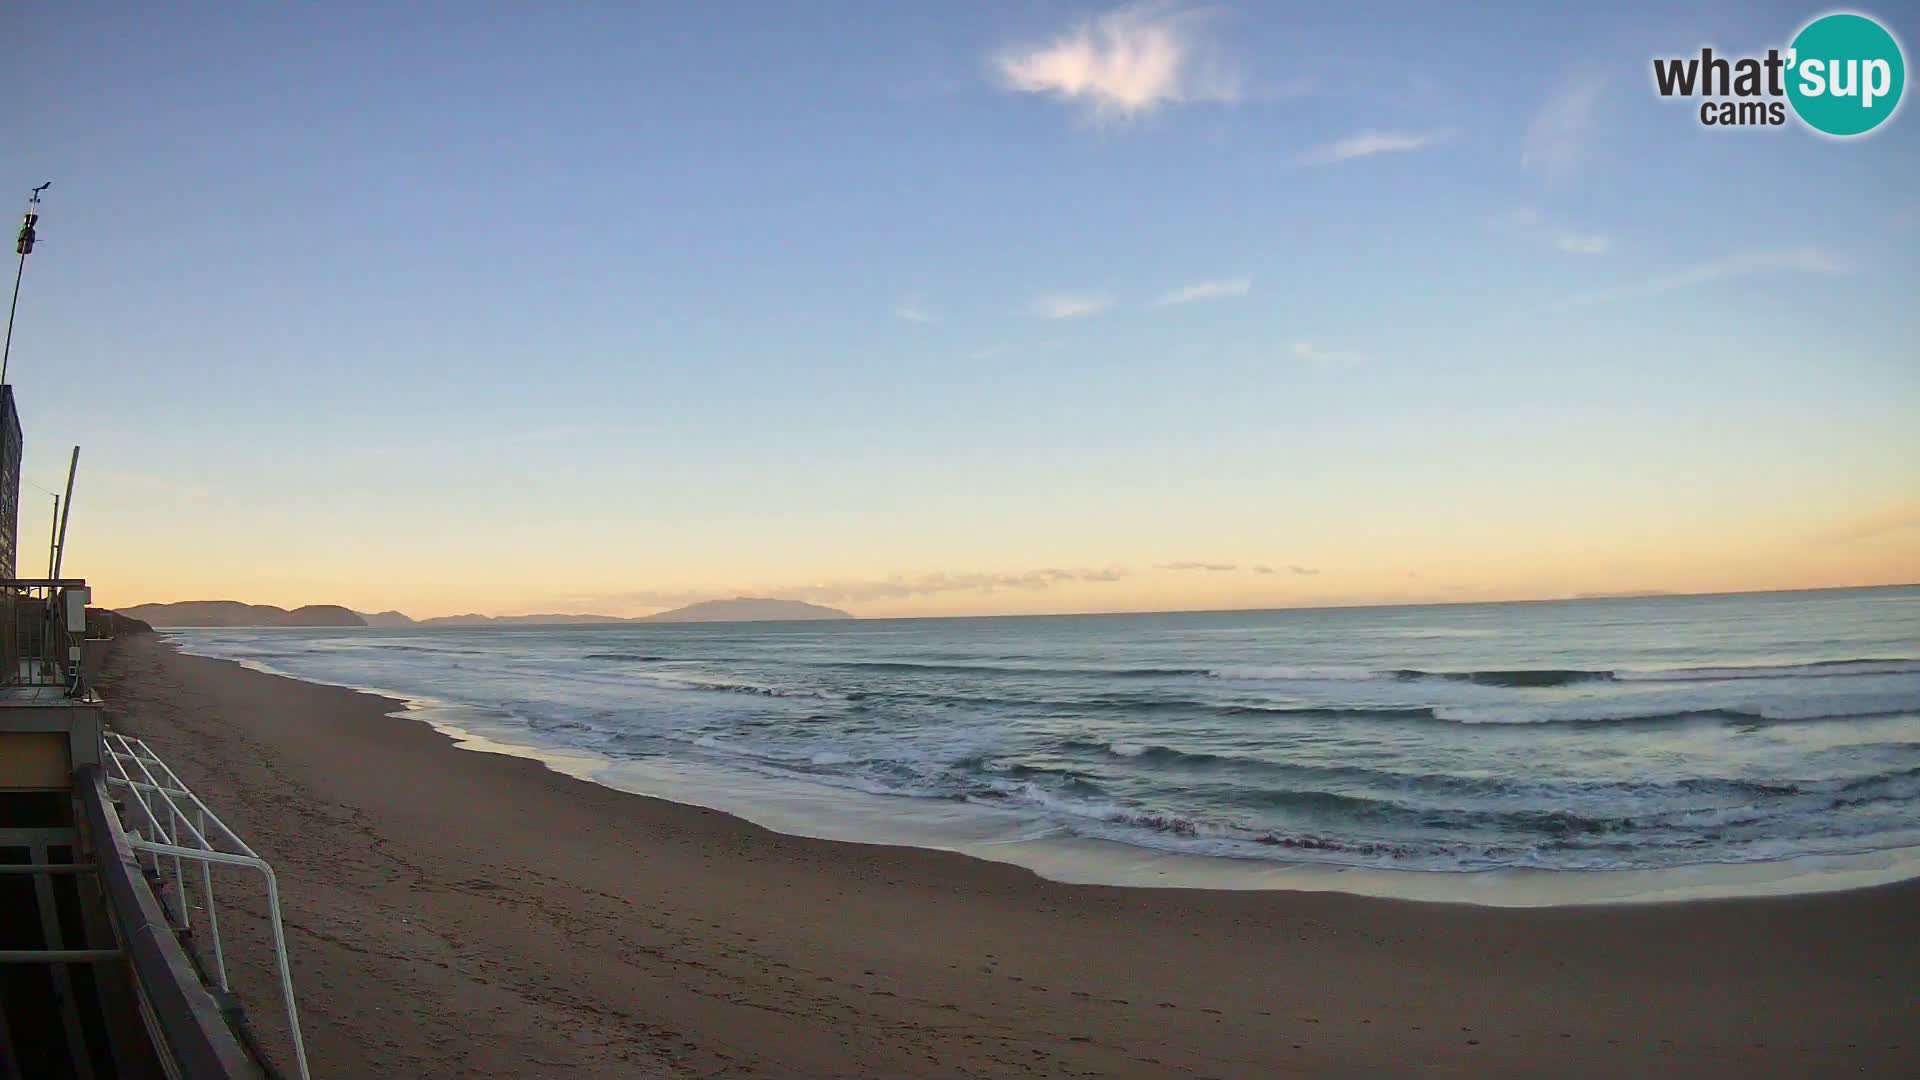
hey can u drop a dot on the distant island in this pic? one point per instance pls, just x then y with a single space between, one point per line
747 609
232 613
235 613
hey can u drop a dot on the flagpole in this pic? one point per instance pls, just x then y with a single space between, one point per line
25 247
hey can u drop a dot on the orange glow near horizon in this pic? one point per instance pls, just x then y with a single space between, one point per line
1548 561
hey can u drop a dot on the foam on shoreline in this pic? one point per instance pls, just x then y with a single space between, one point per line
832 813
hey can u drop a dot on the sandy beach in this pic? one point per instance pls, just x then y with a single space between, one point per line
461 914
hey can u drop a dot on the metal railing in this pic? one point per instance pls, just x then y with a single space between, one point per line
42 626
180 829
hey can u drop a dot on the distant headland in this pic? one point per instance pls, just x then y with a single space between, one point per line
232 613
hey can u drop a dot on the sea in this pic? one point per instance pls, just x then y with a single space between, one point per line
1643 735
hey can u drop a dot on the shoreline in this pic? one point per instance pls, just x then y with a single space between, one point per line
474 912
823 812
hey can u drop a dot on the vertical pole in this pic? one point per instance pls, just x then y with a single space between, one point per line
24 246
60 546
18 272
53 535
78 1056
213 917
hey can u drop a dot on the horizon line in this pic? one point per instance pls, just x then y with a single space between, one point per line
1570 599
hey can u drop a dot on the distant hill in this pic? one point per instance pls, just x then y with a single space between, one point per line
516 620
746 609
739 609
233 613
214 613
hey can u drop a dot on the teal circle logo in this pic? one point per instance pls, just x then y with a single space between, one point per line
1845 74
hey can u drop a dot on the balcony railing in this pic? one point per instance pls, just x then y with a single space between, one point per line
43 623
169 825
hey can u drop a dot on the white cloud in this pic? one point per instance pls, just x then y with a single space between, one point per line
897 588
1071 305
1556 139
913 309
1125 63
1306 350
855 590
1369 143
1574 243
1808 260
1206 290
1228 568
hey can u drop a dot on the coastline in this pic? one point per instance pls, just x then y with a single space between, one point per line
484 913
993 834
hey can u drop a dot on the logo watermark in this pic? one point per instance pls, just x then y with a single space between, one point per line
1842 75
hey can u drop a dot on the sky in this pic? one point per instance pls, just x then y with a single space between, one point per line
931 309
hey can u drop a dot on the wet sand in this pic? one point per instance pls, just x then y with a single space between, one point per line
461 914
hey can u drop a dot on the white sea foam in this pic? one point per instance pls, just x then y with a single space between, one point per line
1315 740
1296 674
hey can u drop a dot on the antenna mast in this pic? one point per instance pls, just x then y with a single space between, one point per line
25 247
60 545
53 541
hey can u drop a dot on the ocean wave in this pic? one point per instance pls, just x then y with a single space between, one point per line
1608 713
1004 669
1136 820
1596 712
1143 754
1518 678
1538 678
630 658
429 650
1820 669
1294 674
1323 813
725 686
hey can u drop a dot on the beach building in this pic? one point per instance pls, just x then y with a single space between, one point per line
111 962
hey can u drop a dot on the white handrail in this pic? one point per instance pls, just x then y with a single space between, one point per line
182 839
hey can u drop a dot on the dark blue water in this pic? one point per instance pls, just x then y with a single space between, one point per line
1580 735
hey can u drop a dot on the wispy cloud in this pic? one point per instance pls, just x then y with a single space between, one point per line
1572 241
1895 519
850 591
1206 290
900 588
1125 63
1307 350
1556 140
1071 305
1369 143
913 309
1209 567
1807 260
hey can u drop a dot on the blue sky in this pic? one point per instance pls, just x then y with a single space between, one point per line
893 306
